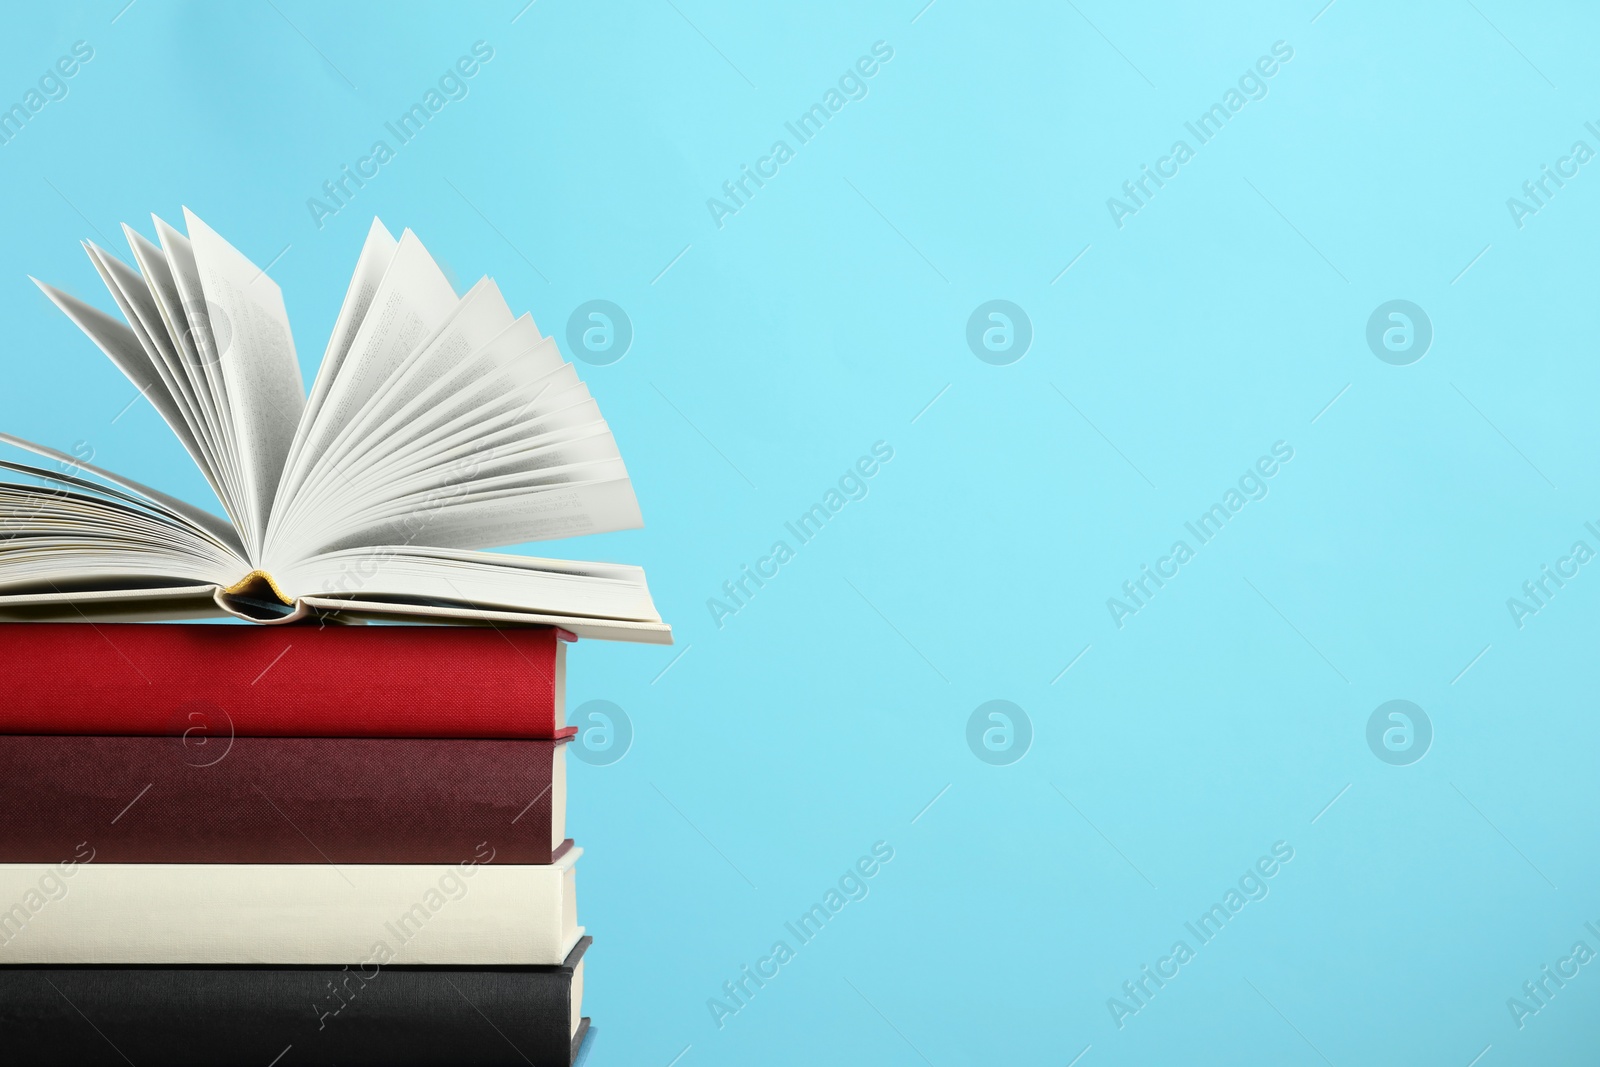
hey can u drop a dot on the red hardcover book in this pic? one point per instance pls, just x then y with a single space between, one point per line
282 681
281 800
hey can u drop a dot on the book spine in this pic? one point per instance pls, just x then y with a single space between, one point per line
291 1017
215 799
281 681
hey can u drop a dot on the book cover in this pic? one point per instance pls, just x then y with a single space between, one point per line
473 912
212 798
326 1016
199 680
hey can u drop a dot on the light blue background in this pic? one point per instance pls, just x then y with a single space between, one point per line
1225 316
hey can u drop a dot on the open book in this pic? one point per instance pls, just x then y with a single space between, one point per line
437 425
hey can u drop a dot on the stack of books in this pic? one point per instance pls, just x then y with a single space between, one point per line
338 837
372 868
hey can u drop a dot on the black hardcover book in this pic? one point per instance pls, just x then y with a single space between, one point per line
219 1016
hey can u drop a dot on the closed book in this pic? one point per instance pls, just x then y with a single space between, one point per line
220 799
301 680
471 913
399 1016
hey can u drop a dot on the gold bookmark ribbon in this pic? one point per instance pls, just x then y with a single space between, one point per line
252 583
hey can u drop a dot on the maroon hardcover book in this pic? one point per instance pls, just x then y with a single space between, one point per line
216 799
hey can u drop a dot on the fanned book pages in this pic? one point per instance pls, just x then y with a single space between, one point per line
438 425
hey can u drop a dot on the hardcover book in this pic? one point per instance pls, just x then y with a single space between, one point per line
437 425
473 912
203 682
211 798
350 1016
